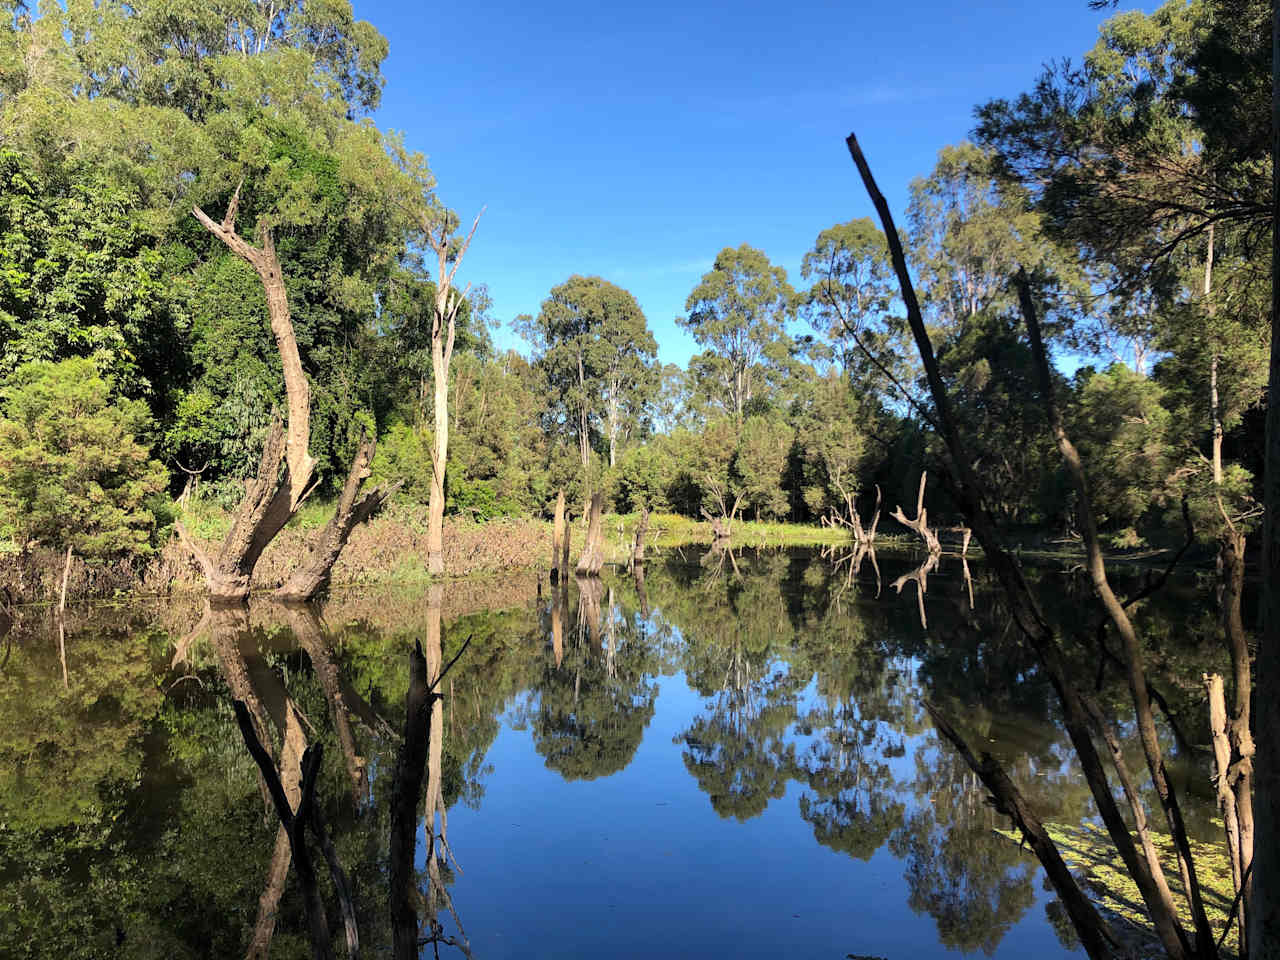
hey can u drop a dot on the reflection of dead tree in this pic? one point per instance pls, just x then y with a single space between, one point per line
272 499
716 555
920 524
920 577
611 646
590 593
1093 931
411 764
722 521
306 627
559 613
637 572
297 823
851 563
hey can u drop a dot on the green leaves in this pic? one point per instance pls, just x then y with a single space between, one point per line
72 469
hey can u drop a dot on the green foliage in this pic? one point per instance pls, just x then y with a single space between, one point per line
73 468
1120 428
739 312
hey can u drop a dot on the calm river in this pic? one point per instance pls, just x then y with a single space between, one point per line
728 757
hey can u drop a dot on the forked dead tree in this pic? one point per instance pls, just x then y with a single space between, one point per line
272 498
921 523
848 517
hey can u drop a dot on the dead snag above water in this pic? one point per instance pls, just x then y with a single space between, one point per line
271 499
921 522
592 558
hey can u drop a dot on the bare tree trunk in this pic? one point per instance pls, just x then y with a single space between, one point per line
269 501
1133 657
559 534
1022 605
592 558
312 574
1264 921
921 523
439 233
642 528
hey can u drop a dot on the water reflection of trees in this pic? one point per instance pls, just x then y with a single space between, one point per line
809 682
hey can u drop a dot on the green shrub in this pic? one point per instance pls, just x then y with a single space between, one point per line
73 471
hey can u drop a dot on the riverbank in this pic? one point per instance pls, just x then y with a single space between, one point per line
389 550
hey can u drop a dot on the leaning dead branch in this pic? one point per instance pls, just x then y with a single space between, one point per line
1095 935
1023 606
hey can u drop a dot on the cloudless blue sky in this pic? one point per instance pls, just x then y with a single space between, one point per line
636 141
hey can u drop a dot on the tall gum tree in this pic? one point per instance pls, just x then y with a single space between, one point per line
739 312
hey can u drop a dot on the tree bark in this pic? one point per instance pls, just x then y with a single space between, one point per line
1133 656
351 510
439 234
1264 920
559 533
642 529
591 559
921 523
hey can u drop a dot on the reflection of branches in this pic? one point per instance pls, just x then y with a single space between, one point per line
920 577
852 564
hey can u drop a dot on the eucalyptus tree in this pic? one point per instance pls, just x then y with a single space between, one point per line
593 343
739 312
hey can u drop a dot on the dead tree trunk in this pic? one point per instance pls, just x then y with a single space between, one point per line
270 499
592 558
722 525
1133 656
438 230
1023 606
351 510
642 528
559 534
921 523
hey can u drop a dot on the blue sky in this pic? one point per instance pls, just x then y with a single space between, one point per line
635 142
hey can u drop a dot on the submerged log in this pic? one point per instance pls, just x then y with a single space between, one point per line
592 558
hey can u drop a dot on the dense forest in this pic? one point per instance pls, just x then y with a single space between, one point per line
136 364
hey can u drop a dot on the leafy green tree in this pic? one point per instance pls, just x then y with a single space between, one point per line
73 469
1121 429
739 312
759 464
593 344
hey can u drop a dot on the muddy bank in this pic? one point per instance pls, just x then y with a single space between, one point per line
387 550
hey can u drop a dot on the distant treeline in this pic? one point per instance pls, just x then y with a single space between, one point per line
136 362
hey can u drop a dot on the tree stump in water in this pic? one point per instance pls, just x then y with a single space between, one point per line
559 542
592 558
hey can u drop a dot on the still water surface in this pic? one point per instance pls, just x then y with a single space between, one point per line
726 757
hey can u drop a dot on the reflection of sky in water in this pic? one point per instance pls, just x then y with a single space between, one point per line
639 864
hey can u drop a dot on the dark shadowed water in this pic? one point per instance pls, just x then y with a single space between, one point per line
727 757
